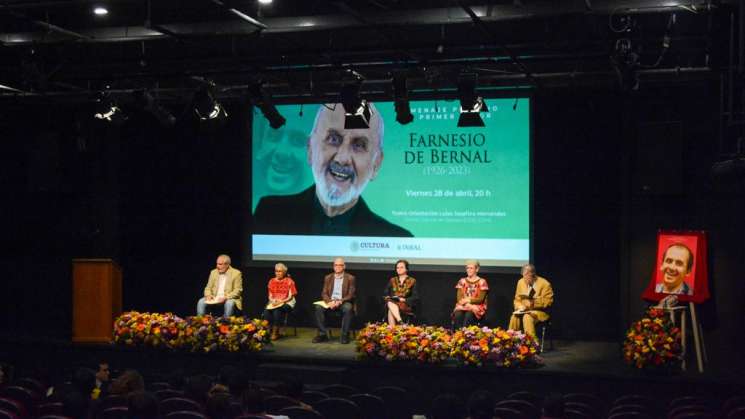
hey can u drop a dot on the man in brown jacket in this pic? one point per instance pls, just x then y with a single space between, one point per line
337 295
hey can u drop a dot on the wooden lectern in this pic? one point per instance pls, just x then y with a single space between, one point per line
96 299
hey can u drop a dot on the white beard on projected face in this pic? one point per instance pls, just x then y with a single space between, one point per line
331 195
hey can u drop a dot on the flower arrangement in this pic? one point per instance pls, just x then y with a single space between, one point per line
653 342
425 344
477 346
193 334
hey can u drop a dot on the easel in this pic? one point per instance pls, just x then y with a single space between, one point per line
698 336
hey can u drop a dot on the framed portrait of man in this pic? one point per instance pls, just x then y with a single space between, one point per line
680 267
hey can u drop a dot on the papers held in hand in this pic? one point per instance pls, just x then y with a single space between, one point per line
392 297
322 304
272 306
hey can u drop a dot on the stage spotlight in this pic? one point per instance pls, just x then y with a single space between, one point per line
263 100
401 100
356 111
108 110
470 104
206 107
149 104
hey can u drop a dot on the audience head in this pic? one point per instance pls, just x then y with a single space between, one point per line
481 405
102 372
128 382
292 387
142 405
237 383
553 406
219 407
447 406
252 401
84 380
75 404
197 388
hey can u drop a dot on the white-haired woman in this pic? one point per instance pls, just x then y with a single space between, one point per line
281 291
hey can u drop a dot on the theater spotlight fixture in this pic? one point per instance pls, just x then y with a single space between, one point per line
206 107
401 99
107 110
263 100
356 110
470 105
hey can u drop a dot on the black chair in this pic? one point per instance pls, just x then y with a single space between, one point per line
396 401
14 406
507 413
48 409
630 415
585 408
543 329
112 400
687 401
733 403
4 414
736 413
286 316
154 387
587 398
119 412
630 408
185 414
54 417
32 384
372 406
296 412
533 398
273 404
313 397
168 393
528 409
339 390
336 408
636 399
689 411
573 414
23 395
179 404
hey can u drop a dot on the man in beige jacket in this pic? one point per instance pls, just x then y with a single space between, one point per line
224 287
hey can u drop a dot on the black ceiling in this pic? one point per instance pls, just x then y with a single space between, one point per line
57 49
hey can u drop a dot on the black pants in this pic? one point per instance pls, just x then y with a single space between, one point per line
275 315
346 320
463 318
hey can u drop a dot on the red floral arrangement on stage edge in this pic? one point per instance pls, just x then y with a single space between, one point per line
653 342
193 334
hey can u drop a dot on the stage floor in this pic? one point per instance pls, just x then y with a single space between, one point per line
570 366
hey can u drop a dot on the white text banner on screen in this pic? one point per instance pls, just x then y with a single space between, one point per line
377 249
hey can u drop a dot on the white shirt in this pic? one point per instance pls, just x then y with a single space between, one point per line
221 285
338 282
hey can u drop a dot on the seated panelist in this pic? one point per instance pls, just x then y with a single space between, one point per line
401 294
470 300
281 291
224 288
533 296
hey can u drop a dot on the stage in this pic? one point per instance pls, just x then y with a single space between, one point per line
569 366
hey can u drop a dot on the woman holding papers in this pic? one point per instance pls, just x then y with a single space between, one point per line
470 303
401 294
282 292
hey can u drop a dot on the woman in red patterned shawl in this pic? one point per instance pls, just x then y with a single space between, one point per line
470 304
